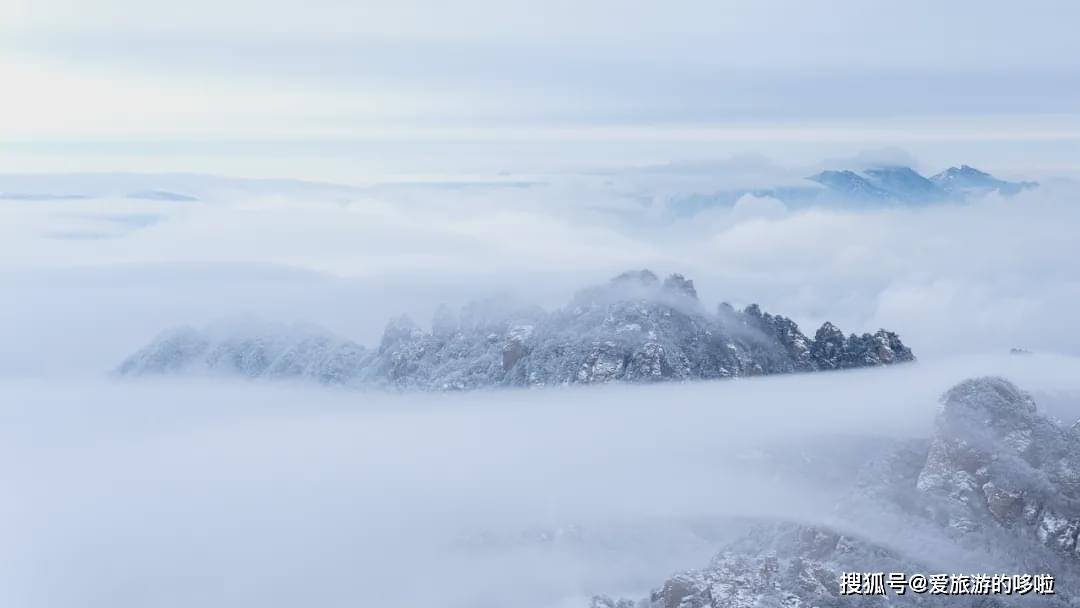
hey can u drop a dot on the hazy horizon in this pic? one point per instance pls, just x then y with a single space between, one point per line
346 91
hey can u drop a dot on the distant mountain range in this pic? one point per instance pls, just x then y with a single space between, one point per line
904 184
636 328
891 185
684 190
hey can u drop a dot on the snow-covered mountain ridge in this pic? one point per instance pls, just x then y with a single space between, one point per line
636 328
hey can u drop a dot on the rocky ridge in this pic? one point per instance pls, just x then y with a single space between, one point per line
903 184
635 328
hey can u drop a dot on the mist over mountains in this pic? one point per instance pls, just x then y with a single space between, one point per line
902 184
533 498
693 186
538 498
345 304
636 328
867 187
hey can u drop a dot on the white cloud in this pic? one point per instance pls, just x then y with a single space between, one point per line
750 206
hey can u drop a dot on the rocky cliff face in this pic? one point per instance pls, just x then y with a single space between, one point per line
997 483
636 328
782 565
996 463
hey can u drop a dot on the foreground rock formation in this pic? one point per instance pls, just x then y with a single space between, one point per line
996 490
636 328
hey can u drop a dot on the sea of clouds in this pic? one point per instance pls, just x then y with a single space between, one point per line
190 492
88 280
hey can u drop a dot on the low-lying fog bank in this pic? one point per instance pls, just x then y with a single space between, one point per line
186 493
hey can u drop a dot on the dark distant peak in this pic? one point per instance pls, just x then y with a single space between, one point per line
753 310
677 283
644 277
905 183
964 174
959 180
898 175
969 170
849 184
962 171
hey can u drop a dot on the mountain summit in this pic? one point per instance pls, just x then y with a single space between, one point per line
969 180
905 185
635 328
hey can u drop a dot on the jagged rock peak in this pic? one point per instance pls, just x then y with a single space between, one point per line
994 461
968 178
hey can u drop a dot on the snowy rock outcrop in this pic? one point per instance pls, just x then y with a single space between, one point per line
996 463
783 565
995 488
636 328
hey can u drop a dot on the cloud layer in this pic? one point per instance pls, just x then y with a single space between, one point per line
163 494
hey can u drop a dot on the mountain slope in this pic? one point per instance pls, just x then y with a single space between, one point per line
900 184
636 328
965 180
996 489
